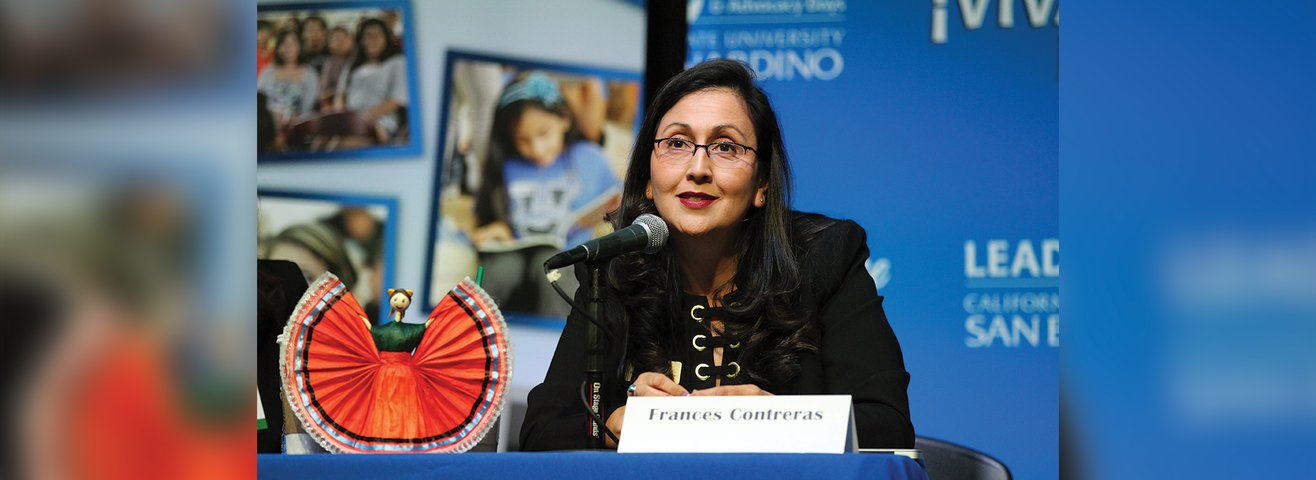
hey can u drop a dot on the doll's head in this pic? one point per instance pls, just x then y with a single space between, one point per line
399 299
532 120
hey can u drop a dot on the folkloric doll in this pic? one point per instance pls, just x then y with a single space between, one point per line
396 387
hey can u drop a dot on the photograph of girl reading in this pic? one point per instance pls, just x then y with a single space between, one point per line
747 298
531 158
545 188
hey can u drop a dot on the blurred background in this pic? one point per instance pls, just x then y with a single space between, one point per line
1188 213
126 202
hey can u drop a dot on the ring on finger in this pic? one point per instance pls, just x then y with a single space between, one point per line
630 391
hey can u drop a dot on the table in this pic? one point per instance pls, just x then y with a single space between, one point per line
579 465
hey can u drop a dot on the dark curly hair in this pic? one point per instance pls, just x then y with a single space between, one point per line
767 281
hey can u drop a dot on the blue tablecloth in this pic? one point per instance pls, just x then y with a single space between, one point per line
581 465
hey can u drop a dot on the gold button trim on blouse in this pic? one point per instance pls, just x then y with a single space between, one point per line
694 341
699 368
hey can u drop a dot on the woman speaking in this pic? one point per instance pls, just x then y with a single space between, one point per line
747 298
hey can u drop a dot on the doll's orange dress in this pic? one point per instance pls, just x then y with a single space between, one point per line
351 397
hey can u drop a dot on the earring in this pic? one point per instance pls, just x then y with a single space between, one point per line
759 200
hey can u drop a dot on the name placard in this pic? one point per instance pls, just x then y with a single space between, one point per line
739 424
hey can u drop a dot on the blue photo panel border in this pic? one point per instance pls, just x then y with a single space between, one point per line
413 146
388 248
453 56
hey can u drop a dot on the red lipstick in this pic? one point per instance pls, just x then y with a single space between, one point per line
696 200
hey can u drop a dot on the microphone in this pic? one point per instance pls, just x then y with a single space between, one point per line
647 234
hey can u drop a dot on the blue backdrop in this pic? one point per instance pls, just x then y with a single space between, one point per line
934 125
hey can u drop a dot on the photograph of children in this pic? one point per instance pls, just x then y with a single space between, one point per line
351 237
334 79
532 157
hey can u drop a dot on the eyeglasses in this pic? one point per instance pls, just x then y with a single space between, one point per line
723 154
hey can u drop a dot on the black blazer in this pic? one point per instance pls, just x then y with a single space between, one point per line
858 353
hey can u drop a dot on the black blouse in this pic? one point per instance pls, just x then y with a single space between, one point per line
857 354
695 341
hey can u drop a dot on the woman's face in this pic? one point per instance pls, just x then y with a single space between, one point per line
539 135
372 41
290 49
695 196
340 43
313 35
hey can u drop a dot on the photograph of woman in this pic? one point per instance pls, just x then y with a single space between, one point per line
346 236
335 79
290 87
375 86
748 297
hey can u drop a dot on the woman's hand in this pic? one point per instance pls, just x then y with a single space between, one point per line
654 384
747 389
648 384
383 108
614 423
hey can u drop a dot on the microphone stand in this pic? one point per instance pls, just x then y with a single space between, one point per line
594 357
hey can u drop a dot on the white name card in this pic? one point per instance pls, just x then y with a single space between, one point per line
739 424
